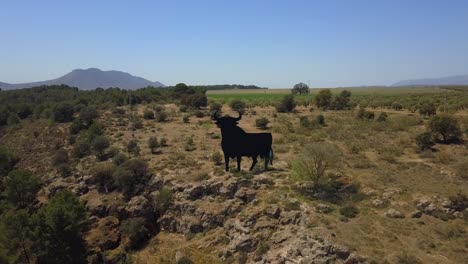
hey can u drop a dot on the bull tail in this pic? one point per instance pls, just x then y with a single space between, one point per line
270 154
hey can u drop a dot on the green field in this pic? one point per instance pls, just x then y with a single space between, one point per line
452 98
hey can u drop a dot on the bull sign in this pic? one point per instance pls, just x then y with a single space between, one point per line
236 143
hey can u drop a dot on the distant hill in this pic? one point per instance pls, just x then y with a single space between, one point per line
90 79
449 80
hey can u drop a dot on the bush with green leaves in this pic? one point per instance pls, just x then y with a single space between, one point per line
194 100
341 101
363 114
445 128
300 88
186 119
215 106
81 149
161 116
396 106
314 162
320 120
21 187
13 119
349 211
189 144
427 109
119 158
60 157
135 122
163 199
99 145
286 105
153 144
199 114
132 147
136 232
61 224
148 114
7 161
262 123
238 105
424 141
217 158
323 99
103 176
63 113
129 177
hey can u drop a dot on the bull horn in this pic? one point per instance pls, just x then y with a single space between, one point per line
240 116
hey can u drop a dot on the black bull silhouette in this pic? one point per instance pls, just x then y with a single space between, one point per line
236 143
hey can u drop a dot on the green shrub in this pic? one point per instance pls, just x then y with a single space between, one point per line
341 101
132 147
323 99
320 120
349 211
81 149
148 114
60 157
103 175
424 141
427 109
217 158
215 106
99 145
189 144
397 106
312 164
63 113
153 144
119 158
161 116
62 222
237 105
136 232
445 128
286 105
262 123
130 176
199 114
21 187
64 169
163 199
186 119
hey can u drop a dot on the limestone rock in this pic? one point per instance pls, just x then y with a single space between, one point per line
392 213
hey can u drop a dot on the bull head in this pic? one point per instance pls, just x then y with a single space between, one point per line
226 121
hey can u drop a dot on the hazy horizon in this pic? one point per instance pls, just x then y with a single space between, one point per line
266 43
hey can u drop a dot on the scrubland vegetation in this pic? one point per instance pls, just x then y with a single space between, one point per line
120 176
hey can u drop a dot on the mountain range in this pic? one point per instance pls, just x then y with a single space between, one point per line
88 79
449 80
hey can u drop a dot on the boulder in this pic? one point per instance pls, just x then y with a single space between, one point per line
416 214
392 213
181 258
139 206
245 194
273 211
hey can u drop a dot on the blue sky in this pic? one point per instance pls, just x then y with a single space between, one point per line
266 43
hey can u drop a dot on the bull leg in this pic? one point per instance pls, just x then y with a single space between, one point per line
254 161
239 163
226 162
266 162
